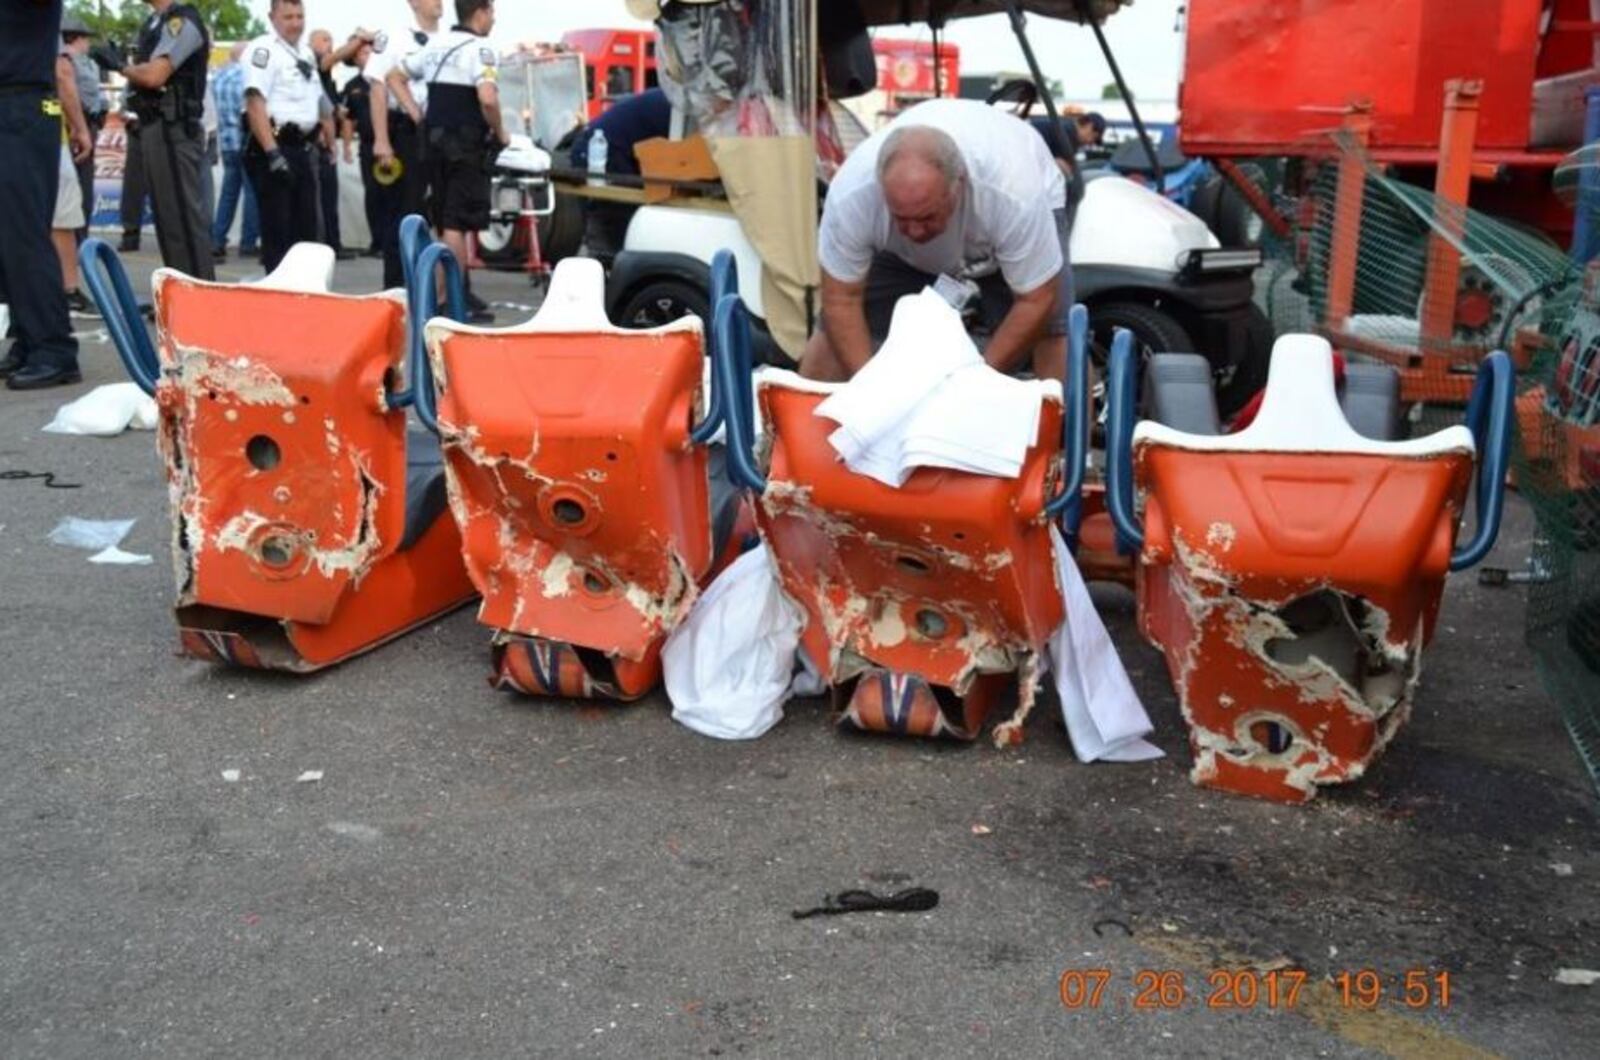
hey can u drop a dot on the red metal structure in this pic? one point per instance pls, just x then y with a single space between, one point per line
617 62
1269 79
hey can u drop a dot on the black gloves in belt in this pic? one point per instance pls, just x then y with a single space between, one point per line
278 167
108 57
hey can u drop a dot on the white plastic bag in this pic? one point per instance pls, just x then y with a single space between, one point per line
728 666
100 537
1104 717
106 411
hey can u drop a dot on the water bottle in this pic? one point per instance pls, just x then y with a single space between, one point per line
597 159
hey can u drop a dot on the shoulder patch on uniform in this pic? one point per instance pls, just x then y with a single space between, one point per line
261 59
488 56
174 25
379 43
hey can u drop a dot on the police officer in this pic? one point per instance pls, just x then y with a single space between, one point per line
167 82
284 108
78 37
463 123
396 131
44 352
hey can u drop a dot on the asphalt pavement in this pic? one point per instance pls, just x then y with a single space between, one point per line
480 875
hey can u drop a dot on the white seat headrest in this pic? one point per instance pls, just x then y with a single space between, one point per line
575 299
575 303
1300 413
306 269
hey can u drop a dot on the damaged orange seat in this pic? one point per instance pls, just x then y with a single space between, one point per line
307 527
581 483
922 603
1292 573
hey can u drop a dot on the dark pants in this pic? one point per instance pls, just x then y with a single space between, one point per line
408 195
86 174
328 188
372 199
174 153
133 189
30 272
605 229
288 203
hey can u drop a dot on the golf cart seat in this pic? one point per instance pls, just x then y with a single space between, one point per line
583 487
1179 394
306 521
1292 572
921 603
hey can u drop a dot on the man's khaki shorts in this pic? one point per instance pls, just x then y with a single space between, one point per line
69 195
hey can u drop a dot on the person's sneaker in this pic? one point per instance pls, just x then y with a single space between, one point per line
11 363
219 254
249 252
80 306
476 304
480 316
129 244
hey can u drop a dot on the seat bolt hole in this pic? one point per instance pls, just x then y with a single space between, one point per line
263 453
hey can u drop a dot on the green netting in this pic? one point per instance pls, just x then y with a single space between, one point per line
1514 289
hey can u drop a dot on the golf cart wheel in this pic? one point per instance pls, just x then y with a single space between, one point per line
661 302
561 232
1250 374
1154 330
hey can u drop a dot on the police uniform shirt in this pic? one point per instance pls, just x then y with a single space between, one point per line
88 77
453 65
285 75
180 39
389 50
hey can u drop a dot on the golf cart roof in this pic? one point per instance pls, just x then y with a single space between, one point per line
890 12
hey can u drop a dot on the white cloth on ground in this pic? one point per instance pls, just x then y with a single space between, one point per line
1104 717
729 664
106 411
927 399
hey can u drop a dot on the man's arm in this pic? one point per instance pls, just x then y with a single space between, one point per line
255 109
399 83
72 109
345 52
382 150
844 318
1030 251
1013 341
489 102
174 50
347 133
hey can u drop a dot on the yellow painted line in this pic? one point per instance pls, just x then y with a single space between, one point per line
1381 1029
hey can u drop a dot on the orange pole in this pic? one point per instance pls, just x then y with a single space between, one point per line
1457 138
1347 221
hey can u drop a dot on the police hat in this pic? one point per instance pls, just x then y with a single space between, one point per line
73 26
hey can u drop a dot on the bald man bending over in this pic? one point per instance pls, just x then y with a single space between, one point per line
954 188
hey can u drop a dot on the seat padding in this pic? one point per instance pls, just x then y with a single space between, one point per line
1300 414
426 494
1371 401
1178 393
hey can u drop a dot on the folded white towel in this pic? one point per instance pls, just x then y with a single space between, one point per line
927 399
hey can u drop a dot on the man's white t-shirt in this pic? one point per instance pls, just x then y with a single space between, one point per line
1005 220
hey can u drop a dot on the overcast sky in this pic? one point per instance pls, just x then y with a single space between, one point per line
1142 37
